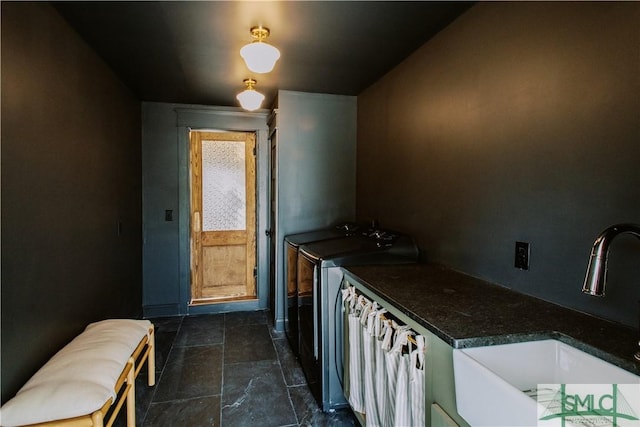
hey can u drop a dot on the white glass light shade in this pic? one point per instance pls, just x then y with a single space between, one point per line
250 99
260 57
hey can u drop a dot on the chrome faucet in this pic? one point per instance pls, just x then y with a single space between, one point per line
596 277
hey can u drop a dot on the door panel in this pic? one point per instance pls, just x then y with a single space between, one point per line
221 275
223 216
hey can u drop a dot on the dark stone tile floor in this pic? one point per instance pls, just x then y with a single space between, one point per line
227 370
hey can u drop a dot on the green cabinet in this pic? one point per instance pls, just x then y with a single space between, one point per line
440 382
439 418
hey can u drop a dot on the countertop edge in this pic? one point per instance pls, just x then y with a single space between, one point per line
460 342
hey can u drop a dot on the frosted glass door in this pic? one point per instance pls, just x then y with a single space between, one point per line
222 217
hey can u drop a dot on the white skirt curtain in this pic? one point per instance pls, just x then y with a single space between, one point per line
385 381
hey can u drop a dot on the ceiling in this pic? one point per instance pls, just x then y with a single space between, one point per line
188 51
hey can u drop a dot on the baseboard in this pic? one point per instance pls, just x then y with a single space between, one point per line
223 307
161 310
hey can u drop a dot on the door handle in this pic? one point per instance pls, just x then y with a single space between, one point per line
267 232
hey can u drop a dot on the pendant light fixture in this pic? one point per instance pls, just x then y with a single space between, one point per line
250 99
259 56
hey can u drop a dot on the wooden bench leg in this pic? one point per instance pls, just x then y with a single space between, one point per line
131 395
151 358
97 419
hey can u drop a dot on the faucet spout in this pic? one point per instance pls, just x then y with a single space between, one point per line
596 278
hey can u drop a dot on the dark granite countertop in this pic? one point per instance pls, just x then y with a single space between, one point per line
468 312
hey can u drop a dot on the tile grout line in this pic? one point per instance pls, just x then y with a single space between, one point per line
157 382
224 347
284 380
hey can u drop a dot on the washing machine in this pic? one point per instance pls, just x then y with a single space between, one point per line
292 245
319 277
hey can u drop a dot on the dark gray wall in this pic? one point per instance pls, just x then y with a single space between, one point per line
161 266
71 171
520 121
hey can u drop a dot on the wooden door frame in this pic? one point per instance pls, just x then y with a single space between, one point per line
198 238
273 227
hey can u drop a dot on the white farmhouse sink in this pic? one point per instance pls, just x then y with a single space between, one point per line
496 385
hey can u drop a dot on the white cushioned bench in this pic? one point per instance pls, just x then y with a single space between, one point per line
90 377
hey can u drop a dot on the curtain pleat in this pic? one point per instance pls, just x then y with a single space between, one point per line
417 383
395 367
356 354
383 345
372 361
